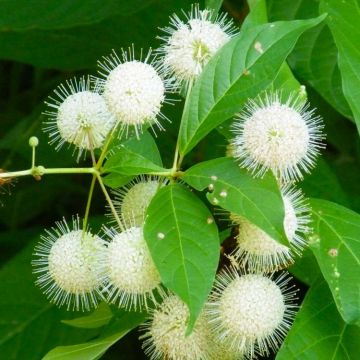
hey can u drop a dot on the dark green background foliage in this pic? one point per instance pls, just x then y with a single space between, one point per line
44 42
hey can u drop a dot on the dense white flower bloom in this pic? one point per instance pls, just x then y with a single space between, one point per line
132 200
134 90
283 136
259 251
132 276
80 116
164 334
250 313
70 266
190 44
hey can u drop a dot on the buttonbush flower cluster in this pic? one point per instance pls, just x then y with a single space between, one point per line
252 304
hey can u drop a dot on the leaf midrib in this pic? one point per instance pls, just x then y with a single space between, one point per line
20 328
181 244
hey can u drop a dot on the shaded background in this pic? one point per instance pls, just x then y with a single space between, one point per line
43 43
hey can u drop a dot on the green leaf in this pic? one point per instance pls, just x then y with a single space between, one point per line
257 14
342 20
234 189
145 146
319 332
287 83
92 350
23 14
215 5
115 180
336 246
306 268
184 243
30 326
81 46
324 184
314 59
242 68
100 317
134 157
285 80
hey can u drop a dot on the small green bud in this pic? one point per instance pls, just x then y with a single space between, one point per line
302 92
33 141
40 170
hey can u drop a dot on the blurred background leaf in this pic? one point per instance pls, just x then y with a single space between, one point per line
29 325
59 38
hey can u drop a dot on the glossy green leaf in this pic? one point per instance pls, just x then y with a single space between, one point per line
100 317
135 156
336 246
323 183
214 5
145 146
343 20
92 350
287 83
285 80
306 268
315 57
242 68
30 326
184 243
257 14
235 190
115 180
319 332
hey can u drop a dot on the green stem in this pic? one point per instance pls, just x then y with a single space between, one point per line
33 155
109 201
174 167
88 204
104 149
13 174
89 170
40 170
178 160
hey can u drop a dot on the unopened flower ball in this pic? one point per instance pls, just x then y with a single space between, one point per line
132 200
164 334
132 277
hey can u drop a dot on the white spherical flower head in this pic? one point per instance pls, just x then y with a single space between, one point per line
131 273
259 251
189 45
70 264
132 200
164 334
250 313
284 137
221 351
81 116
134 90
